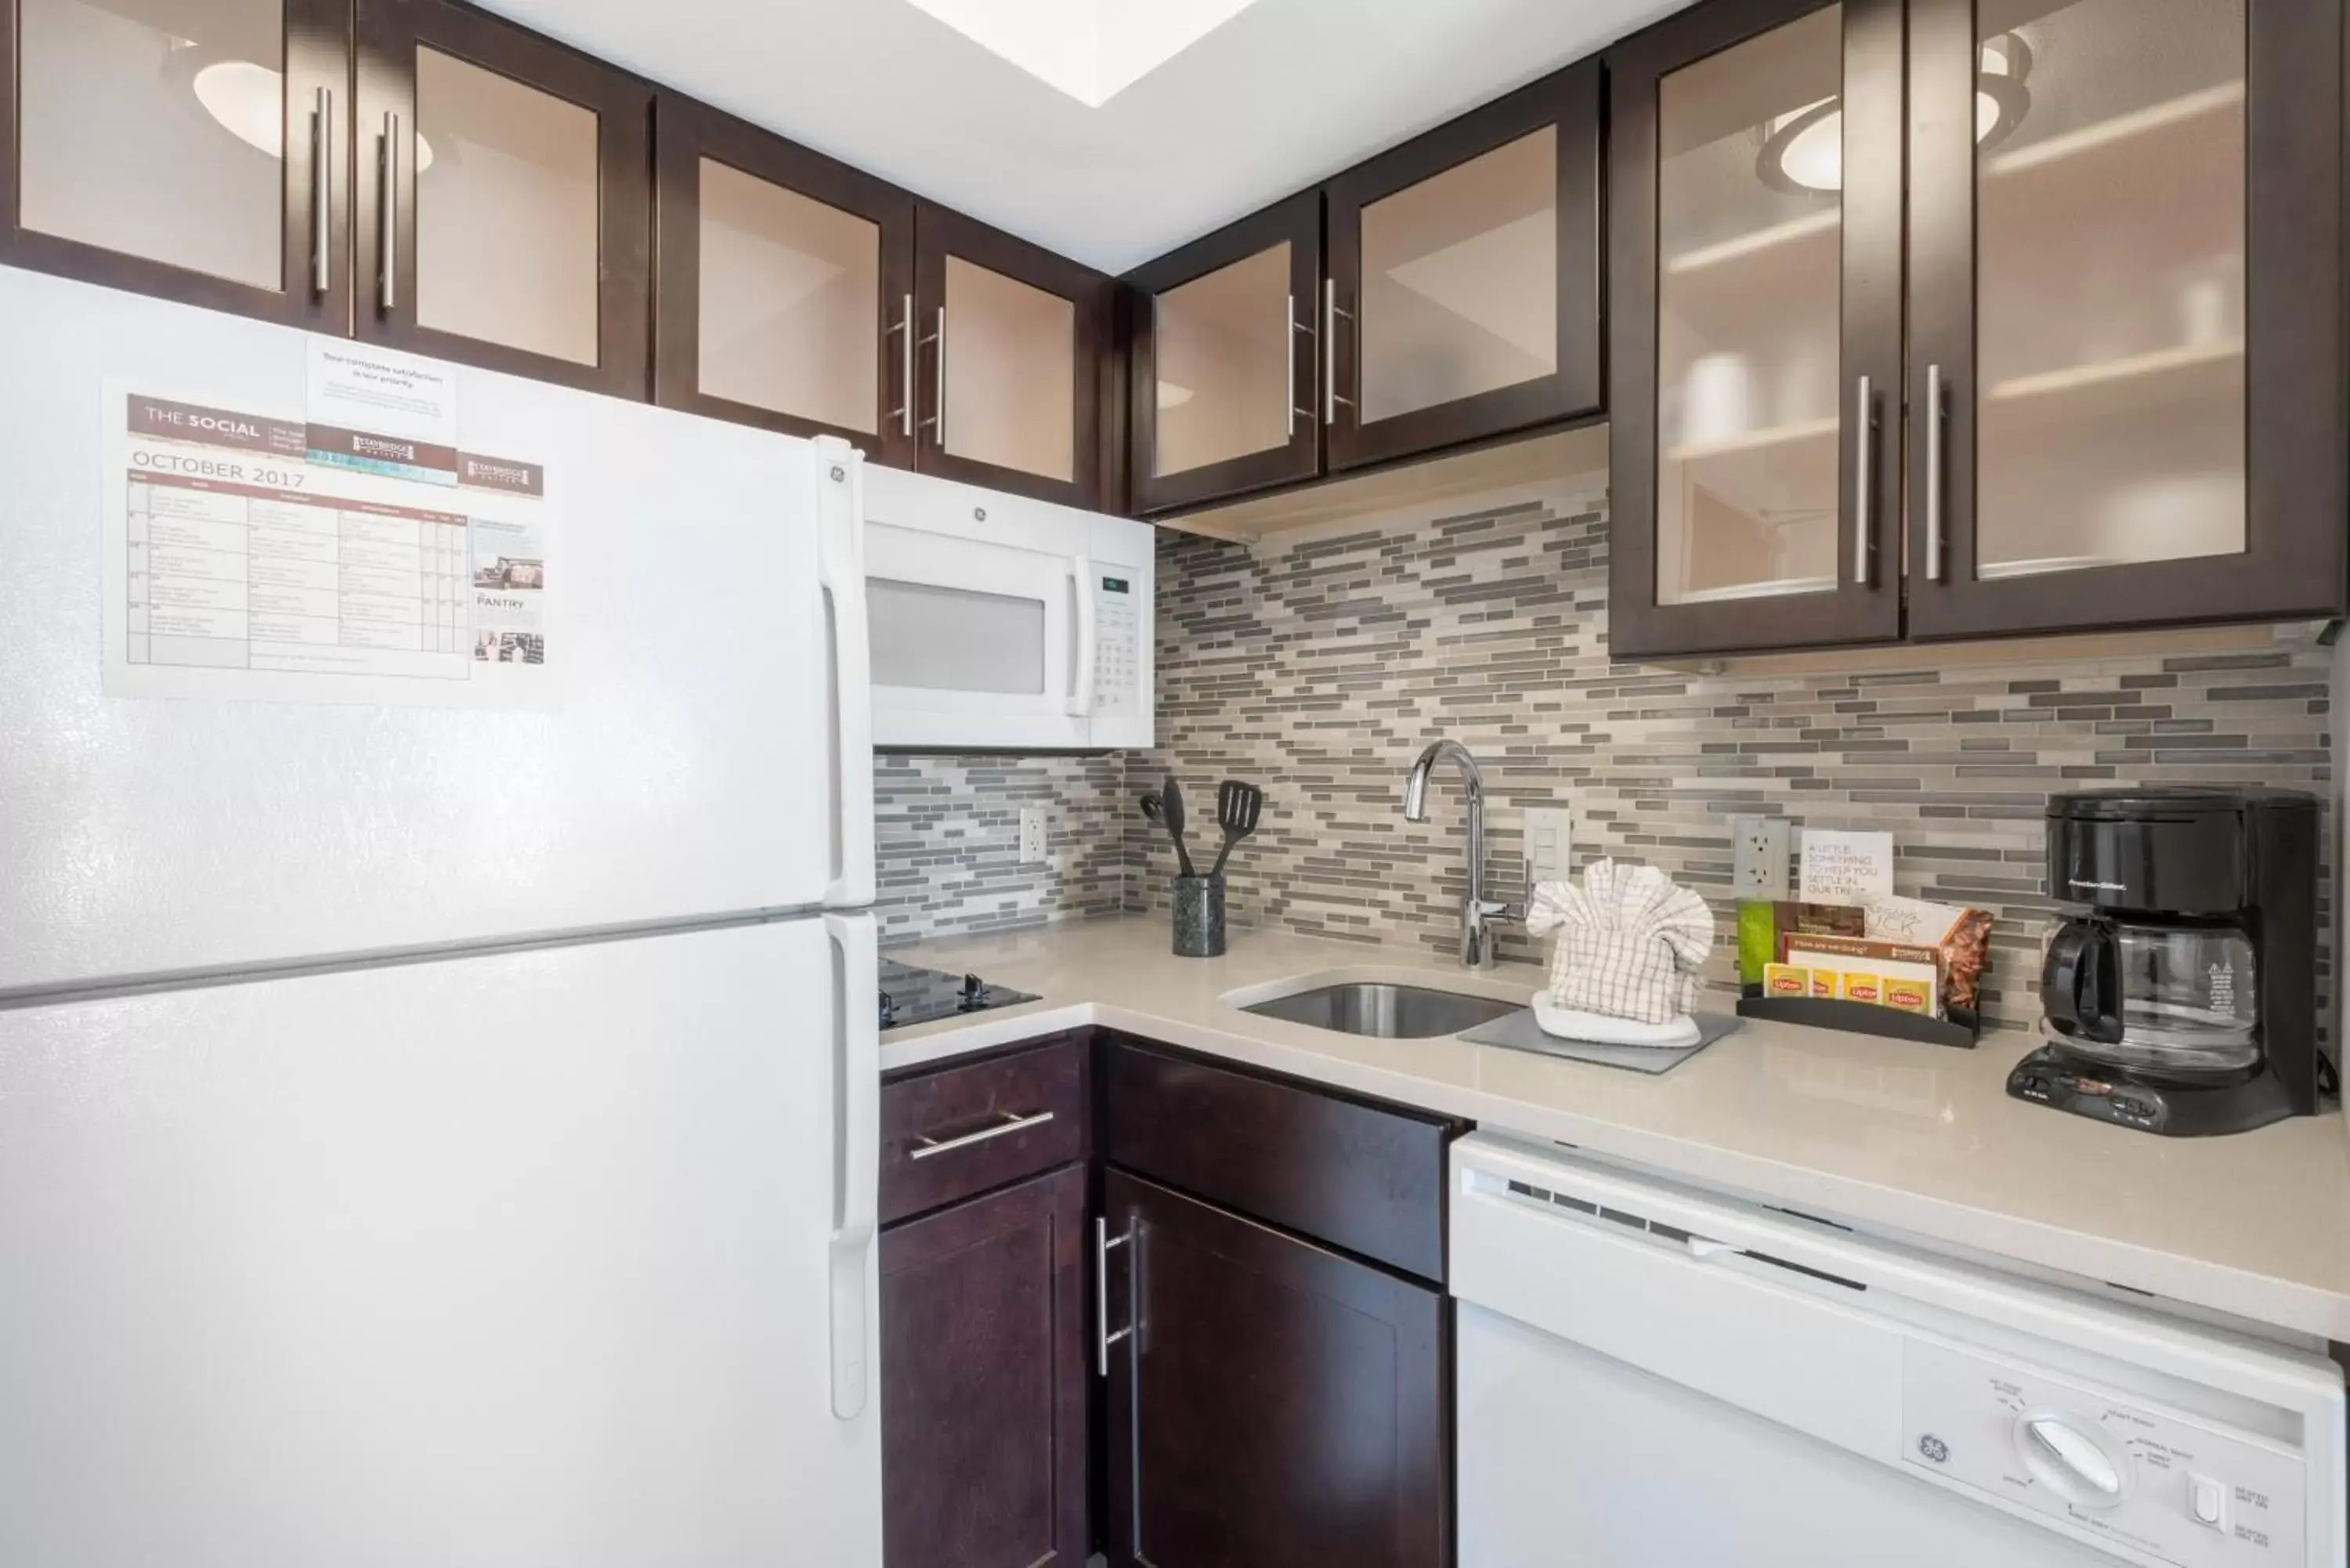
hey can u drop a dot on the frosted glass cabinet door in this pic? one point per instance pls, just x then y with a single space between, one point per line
784 294
2148 218
1463 298
173 147
1008 362
504 198
1225 356
1757 359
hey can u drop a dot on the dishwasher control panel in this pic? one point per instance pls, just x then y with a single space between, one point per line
2150 1484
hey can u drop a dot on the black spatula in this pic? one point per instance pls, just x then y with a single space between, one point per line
1238 806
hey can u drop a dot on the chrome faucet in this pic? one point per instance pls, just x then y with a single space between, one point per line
1477 913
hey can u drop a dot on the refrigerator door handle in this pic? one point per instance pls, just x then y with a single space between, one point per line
857 1145
1081 685
840 529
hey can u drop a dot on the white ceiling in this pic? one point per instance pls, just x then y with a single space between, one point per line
1283 94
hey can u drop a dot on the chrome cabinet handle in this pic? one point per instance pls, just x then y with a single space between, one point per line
930 1148
1330 316
1933 473
387 213
938 420
1103 1337
322 162
1863 444
904 332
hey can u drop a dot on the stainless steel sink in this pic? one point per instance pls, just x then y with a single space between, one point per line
1385 1011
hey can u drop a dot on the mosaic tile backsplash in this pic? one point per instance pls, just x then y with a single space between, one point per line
1319 669
947 834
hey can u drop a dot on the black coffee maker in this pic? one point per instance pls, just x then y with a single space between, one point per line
2182 996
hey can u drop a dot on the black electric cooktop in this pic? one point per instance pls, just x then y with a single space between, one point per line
911 995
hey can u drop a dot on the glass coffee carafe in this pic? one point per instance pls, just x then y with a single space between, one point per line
2166 999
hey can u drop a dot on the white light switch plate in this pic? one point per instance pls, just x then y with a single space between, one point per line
1550 840
1031 832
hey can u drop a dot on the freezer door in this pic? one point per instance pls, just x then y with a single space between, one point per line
696 741
529 1260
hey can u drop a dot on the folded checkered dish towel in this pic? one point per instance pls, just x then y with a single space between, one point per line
1630 941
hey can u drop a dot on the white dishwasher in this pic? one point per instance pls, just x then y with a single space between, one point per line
1654 1377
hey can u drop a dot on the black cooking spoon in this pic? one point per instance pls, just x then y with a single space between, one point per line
1170 812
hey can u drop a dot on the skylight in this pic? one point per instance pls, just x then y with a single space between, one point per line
1091 49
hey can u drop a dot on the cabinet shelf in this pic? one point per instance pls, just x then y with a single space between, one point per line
2107 377
1755 440
2066 147
1760 241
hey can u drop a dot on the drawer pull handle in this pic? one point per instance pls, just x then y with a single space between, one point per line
1013 1122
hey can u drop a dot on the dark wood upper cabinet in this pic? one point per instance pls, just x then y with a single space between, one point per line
1755 298
190 150
1009 341
516 178
1462 297
1274 1403
2062 280
785 288
983 1381
1223 360
2125 313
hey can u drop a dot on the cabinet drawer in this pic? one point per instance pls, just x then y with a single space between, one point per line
1364 1177
964 1128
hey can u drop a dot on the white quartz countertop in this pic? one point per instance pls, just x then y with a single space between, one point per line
1885 1132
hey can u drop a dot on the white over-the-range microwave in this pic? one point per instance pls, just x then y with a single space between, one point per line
1003 624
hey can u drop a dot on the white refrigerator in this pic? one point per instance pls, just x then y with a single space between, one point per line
438 1075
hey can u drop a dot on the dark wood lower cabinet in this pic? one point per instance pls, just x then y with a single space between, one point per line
983 1381
1276 1404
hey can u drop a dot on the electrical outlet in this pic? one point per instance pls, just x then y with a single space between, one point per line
1757 856
1550 840
1031 832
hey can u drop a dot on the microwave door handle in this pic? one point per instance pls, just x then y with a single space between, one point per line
1081 686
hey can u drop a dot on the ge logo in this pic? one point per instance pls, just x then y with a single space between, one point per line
1933 1448
838 474
979 514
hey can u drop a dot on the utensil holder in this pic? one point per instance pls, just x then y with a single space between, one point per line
1199 916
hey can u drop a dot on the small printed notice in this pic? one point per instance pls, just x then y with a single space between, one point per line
1846 868
252 553
381 412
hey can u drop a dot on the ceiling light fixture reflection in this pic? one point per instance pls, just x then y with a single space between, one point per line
249 101
1803 151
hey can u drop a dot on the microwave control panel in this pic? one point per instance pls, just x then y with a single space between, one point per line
2146 1484
1120 621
